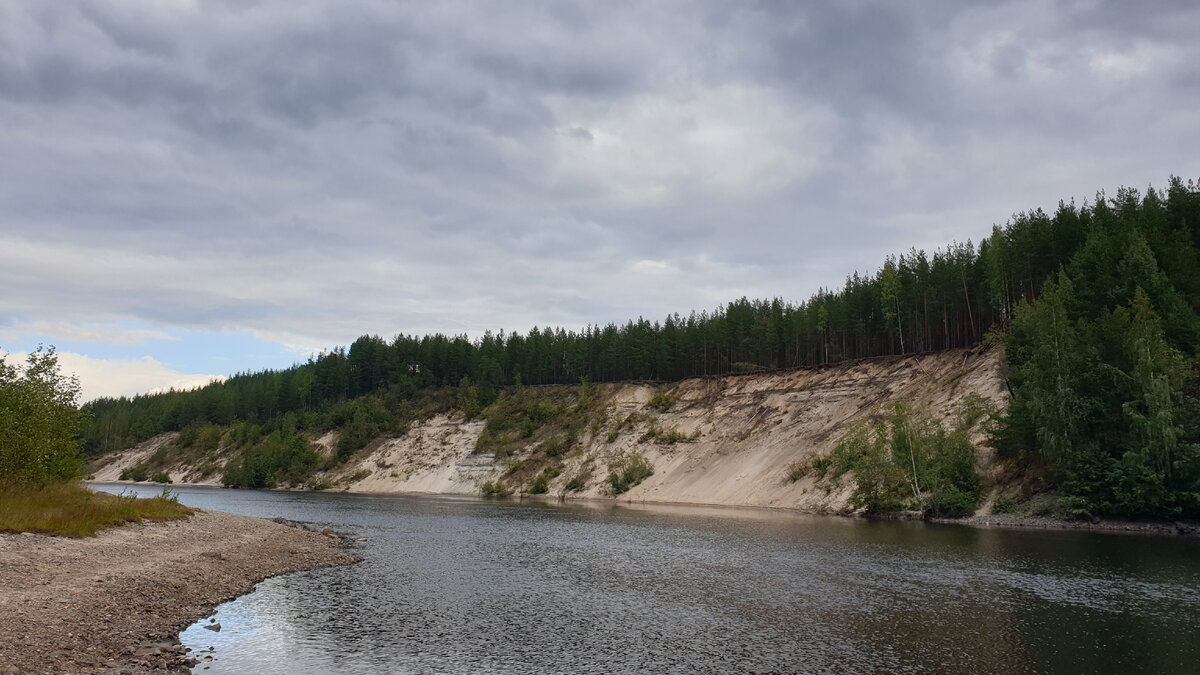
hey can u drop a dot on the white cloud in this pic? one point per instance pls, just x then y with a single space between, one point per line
114 378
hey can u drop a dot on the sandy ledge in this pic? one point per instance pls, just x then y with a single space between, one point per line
117 602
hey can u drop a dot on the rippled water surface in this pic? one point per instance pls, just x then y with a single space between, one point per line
467 585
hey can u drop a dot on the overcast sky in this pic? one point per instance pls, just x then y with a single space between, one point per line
190 189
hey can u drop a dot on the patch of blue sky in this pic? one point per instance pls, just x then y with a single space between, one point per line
181 350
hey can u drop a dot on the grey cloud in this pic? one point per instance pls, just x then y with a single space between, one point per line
320 169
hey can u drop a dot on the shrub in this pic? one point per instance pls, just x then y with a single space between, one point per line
1003 505
626 471
662 401
541 484
555 446
490 489
796 471
820 465
658 434
135 473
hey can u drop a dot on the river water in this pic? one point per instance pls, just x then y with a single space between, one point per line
464 585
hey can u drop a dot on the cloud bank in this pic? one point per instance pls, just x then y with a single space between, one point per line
307 172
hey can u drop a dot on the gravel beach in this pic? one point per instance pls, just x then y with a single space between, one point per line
118 601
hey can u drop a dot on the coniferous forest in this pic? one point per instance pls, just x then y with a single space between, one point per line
1098 306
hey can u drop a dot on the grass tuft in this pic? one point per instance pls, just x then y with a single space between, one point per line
71 510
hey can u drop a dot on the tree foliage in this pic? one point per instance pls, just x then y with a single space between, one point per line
40 422
909 461
1102 363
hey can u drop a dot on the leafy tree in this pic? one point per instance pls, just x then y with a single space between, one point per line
909 461
39 421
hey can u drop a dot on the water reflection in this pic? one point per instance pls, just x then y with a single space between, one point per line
464 585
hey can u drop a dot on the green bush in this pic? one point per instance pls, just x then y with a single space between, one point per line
541 484
626 471
136 473
820 465
662 400
490 489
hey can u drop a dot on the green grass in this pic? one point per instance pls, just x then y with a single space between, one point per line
71 510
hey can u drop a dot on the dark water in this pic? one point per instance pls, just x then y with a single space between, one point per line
465 586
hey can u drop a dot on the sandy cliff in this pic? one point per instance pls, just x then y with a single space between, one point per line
741 433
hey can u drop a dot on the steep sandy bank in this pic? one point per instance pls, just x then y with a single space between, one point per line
740 434
746 431
119 600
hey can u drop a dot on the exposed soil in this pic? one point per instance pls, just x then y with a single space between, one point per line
741 434
118 601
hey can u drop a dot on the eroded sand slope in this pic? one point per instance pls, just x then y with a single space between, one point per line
746 431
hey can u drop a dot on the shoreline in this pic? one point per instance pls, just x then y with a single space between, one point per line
1003 521
118 601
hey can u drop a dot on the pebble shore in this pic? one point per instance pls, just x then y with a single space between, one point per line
116 603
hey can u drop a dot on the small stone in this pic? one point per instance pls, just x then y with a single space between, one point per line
213 627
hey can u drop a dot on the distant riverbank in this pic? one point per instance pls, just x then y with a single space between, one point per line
1007 521
119 600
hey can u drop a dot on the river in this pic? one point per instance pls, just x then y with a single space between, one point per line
464 585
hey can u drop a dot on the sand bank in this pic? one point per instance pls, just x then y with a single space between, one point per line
117 602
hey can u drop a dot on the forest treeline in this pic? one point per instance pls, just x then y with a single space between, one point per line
1071 289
